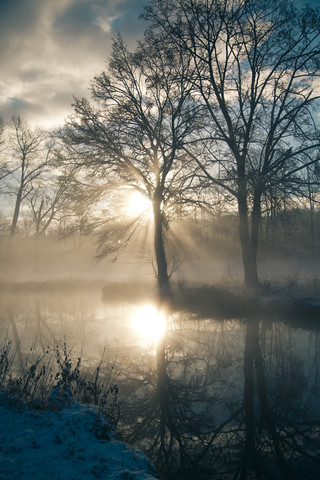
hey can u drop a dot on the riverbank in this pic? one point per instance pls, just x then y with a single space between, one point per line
64 440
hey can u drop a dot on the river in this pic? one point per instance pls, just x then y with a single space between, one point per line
204 397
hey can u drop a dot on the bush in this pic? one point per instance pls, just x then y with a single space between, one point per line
58 371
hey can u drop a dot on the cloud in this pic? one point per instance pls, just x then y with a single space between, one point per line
50 50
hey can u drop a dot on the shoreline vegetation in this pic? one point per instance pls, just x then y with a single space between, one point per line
288 300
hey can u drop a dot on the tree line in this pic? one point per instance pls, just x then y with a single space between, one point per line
215 109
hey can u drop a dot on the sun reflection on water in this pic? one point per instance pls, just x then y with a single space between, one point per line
149 323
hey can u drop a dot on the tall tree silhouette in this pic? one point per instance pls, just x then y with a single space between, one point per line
255 66
135 133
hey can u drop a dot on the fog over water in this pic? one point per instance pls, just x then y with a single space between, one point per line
193 382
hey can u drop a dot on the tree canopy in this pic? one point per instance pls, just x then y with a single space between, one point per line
135 131
255 68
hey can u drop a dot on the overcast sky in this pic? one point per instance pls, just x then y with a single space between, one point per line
51 49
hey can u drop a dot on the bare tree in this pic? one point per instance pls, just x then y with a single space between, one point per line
50 198
136 135
4 170
256 63
29 157
1 135
80 216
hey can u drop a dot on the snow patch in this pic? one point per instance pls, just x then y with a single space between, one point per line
70 442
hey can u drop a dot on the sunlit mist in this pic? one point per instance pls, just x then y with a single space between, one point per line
150 324
138 204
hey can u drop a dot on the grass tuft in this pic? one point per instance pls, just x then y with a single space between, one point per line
57 370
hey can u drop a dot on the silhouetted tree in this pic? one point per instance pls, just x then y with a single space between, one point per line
48 202
29 153
255 63
4 168
135 134
2 141
312 195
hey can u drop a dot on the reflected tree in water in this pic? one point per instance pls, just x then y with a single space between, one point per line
217 399
192 419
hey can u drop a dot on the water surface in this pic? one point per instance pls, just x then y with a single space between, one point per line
229 398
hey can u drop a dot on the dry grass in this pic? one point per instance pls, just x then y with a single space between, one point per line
58 369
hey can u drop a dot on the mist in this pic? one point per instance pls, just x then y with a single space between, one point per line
200 251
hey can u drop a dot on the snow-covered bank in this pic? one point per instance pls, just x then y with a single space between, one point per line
71 443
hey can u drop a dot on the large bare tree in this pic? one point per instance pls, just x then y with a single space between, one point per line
256 68
136 131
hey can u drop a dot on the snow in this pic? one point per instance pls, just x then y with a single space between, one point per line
68 441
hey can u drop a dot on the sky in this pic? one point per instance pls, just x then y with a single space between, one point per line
51 49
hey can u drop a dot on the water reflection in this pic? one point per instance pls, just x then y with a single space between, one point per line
208 412
220 399
150 324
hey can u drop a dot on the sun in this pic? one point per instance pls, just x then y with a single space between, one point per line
138 204
149 323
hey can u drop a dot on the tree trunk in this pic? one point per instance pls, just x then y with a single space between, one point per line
254 241
311 205
16 214
249 245
165 293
